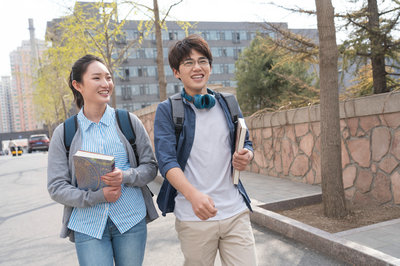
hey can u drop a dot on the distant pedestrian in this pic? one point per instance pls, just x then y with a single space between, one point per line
212 214
107 225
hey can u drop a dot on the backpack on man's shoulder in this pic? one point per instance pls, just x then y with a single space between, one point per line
178 113
123 121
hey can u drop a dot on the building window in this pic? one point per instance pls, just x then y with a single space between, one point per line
224 69
222 52
143 89
126 74
126 92
140 53
221 35
235 37
142 72
206 35
236 53
173 35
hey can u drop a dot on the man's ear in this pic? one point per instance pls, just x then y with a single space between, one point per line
177 74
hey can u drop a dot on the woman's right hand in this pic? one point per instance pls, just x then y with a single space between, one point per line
112 194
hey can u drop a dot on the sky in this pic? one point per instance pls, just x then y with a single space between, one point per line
15 15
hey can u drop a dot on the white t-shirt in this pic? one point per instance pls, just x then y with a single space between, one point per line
209 167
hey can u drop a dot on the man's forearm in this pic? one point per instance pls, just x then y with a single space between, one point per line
177 179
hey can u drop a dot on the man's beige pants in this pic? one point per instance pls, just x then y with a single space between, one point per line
233 237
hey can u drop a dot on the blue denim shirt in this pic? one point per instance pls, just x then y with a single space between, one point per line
170 154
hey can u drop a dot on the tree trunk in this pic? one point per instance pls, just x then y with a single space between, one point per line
331 161
162 82
377 52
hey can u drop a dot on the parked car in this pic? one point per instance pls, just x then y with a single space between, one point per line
39 142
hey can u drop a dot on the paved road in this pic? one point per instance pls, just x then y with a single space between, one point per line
30 223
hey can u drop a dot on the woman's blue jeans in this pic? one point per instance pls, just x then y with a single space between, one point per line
126 249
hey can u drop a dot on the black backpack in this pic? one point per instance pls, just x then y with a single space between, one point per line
124 123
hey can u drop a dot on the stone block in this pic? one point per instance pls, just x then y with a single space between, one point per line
316 128
349 193
359 150
352 124
287 156
349 175
392 120
300 129
360 198
388 164
289 130
310 178
381 189
278 163
380 142
364 180
395 178
259 158
395 149
307 144
369 122
300 166
345 156
266 132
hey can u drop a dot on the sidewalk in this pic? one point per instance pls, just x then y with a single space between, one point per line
377 244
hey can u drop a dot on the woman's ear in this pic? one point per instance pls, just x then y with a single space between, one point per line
77 86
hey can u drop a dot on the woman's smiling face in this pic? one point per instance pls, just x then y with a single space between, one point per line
97 85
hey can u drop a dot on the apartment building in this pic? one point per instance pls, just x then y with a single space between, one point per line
24 63
137 79
5 105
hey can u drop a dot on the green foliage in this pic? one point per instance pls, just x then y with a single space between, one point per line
268 79
90 28
366 42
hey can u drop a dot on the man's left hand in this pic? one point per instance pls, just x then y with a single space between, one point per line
241 159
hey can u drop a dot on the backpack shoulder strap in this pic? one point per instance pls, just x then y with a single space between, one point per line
233 105
178 113
70 127
125 124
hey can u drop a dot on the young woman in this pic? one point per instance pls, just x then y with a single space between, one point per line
107 225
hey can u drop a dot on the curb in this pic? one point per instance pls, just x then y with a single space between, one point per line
320 240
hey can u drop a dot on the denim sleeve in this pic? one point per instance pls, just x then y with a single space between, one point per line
164 138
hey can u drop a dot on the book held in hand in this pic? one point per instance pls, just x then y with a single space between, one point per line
89 167
240 138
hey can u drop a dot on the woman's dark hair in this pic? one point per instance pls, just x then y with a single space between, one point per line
181 50
78 70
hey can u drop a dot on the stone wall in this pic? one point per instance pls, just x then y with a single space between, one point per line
287 145
147 115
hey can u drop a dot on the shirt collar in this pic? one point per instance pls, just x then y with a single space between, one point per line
106 119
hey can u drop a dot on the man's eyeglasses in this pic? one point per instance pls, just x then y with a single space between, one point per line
190 62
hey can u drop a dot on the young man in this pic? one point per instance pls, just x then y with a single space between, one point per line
211 212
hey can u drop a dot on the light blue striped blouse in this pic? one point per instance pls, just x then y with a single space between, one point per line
130 208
